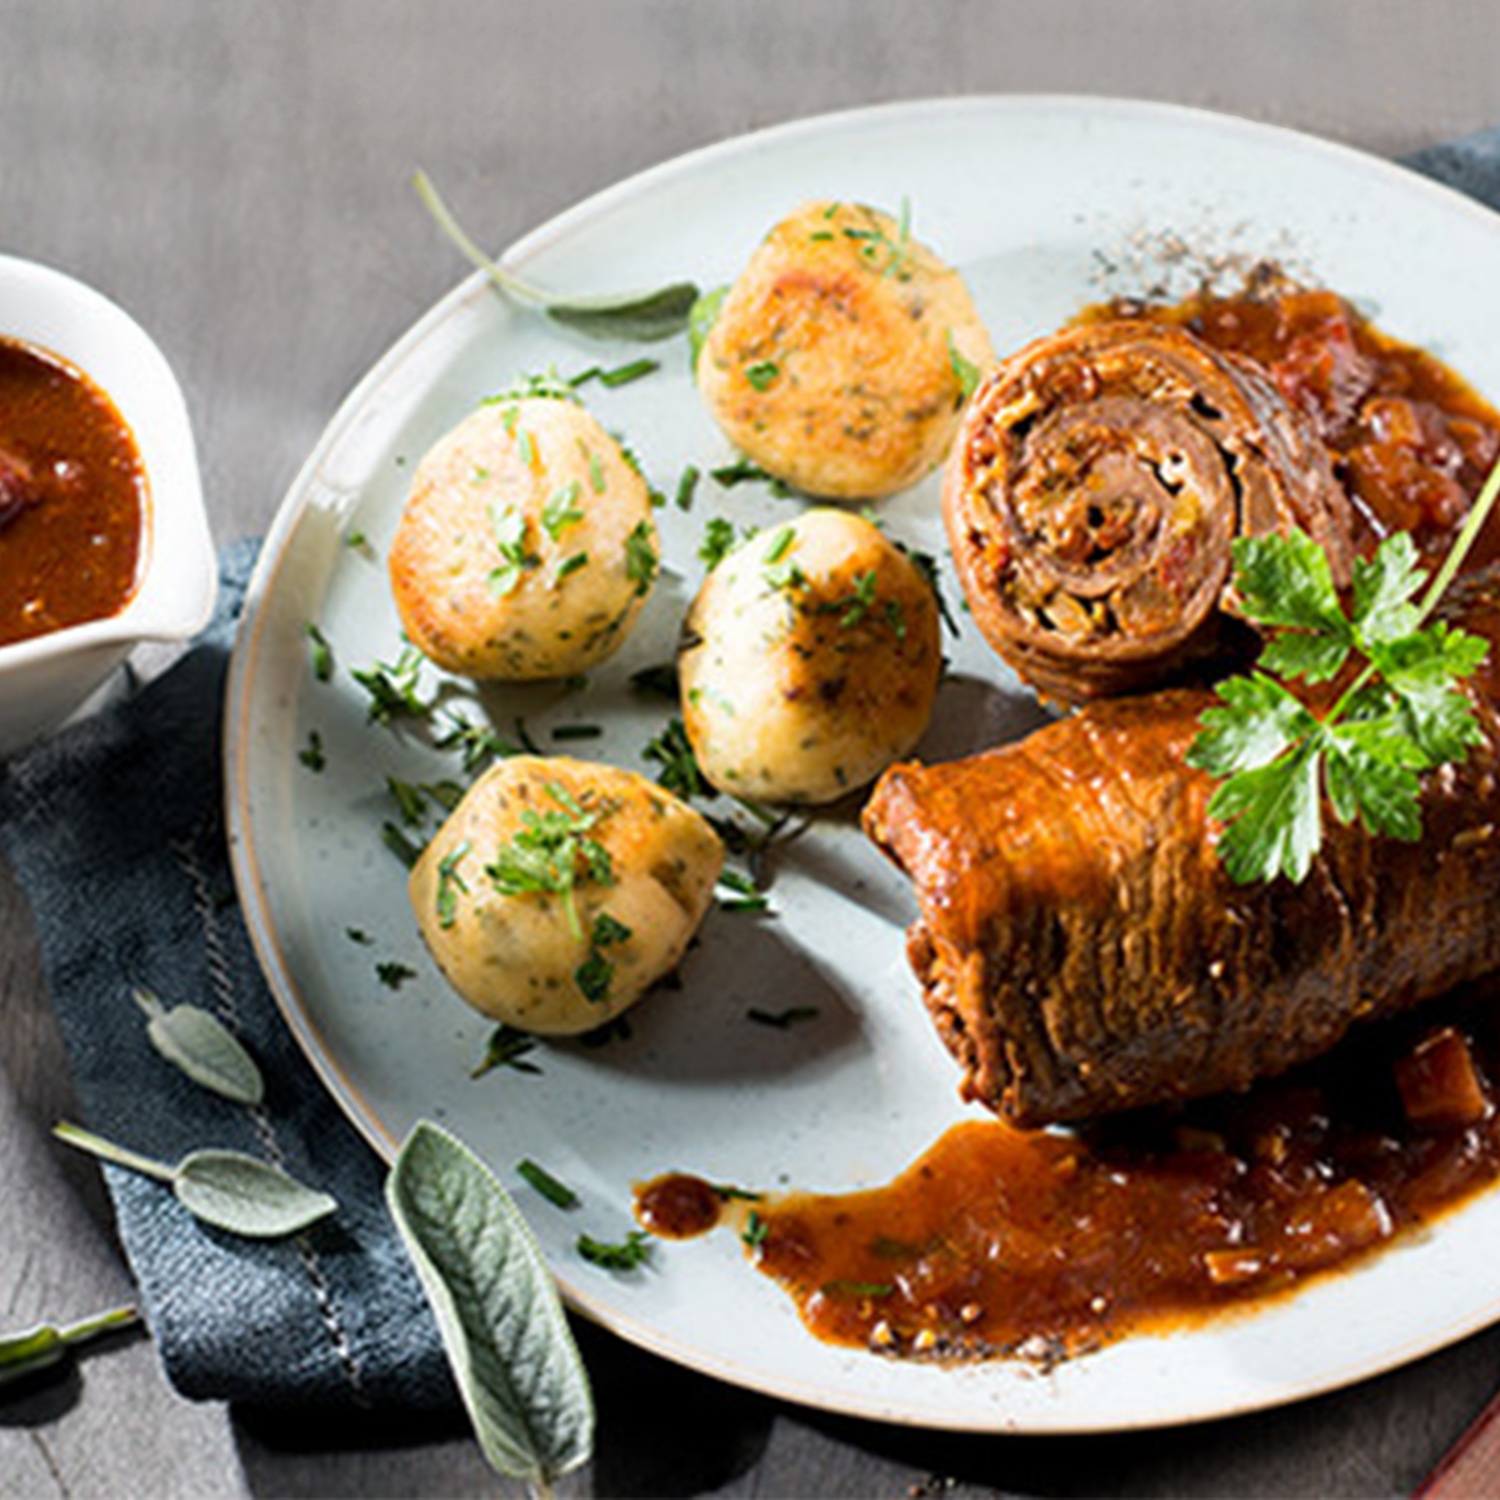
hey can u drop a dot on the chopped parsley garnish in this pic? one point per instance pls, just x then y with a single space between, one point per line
778 570
680 772
409 799
311 755
393 975
507 1048
477 743
762 374
875 239
450 885
523 734
727 1193
755 1230
687 487
632 1253
636 369
718 541
561 509
394 839
446 793
744 471
615 1030
926 565
594 977
320 652
559 1194
641 561
860 602
570 565
596 470
965 371
783 1020
548 386
552 853
609 930
576 732
394 688
508 527
745 894
660 680
596 973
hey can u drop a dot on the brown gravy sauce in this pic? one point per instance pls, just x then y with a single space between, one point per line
1411 440
72 497
1046 1245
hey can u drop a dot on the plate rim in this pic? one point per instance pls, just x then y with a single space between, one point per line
297 497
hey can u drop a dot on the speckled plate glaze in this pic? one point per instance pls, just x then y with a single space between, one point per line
1044 204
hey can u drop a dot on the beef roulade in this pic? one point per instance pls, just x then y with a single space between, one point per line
1097 482
1082 950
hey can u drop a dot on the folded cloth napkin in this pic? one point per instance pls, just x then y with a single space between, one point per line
115 832
114 829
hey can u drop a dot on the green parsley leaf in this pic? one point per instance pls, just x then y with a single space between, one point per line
1404 712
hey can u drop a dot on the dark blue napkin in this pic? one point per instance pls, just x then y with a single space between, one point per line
114 829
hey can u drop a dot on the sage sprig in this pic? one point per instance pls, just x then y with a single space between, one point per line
227 1189
202 1047
48 1344
640 316
502 1323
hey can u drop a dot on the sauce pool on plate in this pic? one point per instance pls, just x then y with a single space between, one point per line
73 498
1044 1245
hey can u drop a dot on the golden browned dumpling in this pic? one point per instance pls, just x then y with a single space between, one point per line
558 892
840 358
810 661
527 545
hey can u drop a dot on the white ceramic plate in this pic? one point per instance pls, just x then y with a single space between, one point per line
1044 204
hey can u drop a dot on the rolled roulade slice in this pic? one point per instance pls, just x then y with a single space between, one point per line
1098 481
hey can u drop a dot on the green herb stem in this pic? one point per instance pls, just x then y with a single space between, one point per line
101 1323
119 1156
1479 513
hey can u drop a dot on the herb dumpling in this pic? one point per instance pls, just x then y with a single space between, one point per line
527 545
840 358
559 891
810 660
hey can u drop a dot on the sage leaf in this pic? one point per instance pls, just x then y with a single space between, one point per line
247 1196
497 1308
638 316
40 1348
227 1189
203 1048
646 318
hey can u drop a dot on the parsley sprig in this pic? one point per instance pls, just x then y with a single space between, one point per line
1403 711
